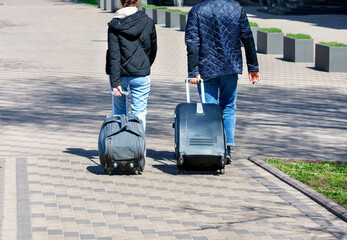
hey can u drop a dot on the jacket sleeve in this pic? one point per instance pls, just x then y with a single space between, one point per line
154 47
114 58
248 42
192 40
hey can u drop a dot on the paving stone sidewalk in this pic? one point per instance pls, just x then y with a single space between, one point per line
54 97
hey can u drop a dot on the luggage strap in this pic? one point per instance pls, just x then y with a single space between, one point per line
123 125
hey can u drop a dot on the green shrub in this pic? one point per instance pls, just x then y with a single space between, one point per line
333 44
174 10
298 36
253 24
184 13
271 30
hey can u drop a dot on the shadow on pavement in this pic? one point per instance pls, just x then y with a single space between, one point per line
167 163
83 153
307 123
257 215
58 103
165 160
90 154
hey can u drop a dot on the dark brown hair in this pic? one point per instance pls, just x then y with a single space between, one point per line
128 3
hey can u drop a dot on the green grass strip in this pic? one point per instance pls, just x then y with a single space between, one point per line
90 2
298 36
184 13
333 44
253 24
160 7
174 10
147 5
271 30
327 178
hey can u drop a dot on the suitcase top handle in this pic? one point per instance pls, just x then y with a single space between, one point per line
202 90
123 93
123 125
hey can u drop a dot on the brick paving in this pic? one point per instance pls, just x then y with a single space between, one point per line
54 96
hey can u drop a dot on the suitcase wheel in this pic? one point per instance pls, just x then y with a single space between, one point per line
180 161
180 171
137 172
222 171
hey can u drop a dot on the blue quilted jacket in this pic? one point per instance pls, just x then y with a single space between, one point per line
213 33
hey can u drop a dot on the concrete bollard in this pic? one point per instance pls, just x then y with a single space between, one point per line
102 4
116 5
108 5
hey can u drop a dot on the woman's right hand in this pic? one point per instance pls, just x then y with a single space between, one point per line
119 91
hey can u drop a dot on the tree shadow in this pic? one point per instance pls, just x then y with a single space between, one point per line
306 123
258 215
60 106
297 123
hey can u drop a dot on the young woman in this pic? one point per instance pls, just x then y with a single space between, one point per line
132 47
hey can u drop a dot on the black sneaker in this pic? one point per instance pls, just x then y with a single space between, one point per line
229 151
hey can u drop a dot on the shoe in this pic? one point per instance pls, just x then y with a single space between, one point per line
229 151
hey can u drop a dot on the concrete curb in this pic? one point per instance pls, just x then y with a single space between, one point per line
333 207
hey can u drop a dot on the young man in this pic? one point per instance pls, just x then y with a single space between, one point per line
214 31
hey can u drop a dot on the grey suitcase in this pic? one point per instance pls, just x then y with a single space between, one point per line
200 141
122 144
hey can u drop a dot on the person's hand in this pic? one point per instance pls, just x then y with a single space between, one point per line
195 80
254 77
119 89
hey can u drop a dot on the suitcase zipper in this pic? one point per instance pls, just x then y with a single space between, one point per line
109 144
136 153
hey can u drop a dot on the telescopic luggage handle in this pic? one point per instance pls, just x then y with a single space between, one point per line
126 94
202 87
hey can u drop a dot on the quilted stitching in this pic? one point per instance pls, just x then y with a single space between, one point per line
213 31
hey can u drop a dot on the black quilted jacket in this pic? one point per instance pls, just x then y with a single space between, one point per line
213 33
132 47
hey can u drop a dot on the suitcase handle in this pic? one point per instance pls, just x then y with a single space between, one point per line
123 93
202 90
126 94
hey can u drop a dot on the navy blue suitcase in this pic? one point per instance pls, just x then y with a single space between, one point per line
200 142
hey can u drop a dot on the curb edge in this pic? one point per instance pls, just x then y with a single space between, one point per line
330 205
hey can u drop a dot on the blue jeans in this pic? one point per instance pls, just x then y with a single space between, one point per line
227 88
139 89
